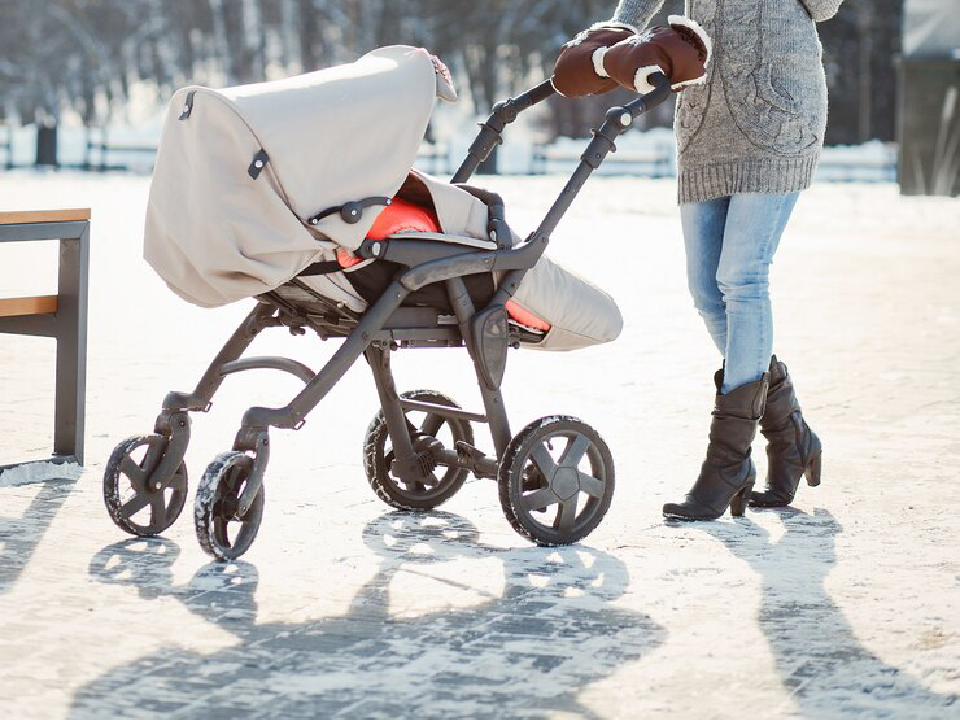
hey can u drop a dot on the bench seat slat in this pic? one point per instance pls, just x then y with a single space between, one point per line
39 305
18 217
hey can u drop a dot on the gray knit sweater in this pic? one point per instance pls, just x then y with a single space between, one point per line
757 123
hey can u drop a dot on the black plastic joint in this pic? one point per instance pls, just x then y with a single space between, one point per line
249 439
505 113
499 232
609 131
171 422
409 469
351 212
178 401
187 105
259 162
370 249
616 115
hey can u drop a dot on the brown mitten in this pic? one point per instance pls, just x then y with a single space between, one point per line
679 51
579 69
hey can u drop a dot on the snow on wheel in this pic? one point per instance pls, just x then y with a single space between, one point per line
425 429
221 530
135 505
556 480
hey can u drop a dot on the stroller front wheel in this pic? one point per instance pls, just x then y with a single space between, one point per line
556 480
221 530
135 504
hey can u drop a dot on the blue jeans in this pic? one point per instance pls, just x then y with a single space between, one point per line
730 244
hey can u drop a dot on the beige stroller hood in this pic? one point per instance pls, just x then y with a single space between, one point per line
245 175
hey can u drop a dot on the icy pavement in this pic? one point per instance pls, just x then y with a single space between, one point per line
845 606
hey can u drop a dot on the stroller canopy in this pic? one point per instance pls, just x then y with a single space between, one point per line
254 183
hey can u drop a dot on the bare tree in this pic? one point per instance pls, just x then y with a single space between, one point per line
85 55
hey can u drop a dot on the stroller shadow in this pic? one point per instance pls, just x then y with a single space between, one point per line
822 665
20 536
526 653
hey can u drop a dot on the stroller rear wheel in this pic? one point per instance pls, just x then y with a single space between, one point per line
556 480
134 505
221 530
425 429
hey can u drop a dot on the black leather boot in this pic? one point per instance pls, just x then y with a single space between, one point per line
793 450
727 474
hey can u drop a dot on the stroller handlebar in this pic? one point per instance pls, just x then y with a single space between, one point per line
534 95
538 93
507 111
618 119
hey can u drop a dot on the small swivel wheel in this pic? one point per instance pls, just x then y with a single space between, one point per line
222 531
425 430
135 505
556 480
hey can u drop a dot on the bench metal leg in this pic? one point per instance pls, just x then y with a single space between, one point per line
71 334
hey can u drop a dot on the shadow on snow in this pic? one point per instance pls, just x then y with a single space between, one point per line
826 671
527 653
19 537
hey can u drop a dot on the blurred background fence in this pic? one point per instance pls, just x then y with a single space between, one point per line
83 82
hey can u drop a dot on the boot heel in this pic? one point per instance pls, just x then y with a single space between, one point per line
812 472
739 503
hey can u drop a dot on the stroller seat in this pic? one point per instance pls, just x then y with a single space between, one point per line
553 309
405 220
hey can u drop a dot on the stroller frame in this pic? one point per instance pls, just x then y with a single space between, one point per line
232 488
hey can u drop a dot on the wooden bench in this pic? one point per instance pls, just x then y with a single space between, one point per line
62 316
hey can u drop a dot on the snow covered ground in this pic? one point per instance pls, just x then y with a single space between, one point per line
845 606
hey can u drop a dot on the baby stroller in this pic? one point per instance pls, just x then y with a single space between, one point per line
231 216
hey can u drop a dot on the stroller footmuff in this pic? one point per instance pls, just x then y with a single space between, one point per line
278 192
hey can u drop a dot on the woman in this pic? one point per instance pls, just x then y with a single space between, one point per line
749 125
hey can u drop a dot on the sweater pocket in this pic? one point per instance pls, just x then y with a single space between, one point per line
775 87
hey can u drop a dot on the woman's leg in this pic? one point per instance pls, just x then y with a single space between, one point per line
793 449
727 474
751 234
703 226
752 225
